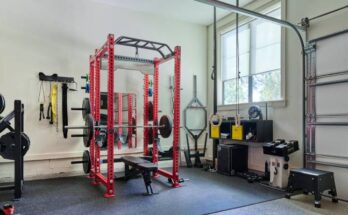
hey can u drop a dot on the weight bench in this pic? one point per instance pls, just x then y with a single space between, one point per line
140 165
312 181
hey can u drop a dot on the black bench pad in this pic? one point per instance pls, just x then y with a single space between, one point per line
149 166
140 163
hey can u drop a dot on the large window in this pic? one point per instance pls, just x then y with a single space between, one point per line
259 62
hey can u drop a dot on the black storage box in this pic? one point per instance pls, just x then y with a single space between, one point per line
232 158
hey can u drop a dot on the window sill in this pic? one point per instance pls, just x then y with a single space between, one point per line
270 104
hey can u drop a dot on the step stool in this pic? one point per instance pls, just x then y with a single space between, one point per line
312 181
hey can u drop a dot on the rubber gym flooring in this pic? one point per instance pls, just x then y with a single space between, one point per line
204 193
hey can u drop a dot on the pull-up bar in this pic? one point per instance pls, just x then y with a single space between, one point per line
146 44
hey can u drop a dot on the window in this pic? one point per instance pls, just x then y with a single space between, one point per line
259 62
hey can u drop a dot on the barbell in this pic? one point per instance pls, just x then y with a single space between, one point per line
164 127
86 108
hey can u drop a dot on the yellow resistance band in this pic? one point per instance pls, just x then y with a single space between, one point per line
54 95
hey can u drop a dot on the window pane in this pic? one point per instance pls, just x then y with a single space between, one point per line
267 86
267 58
229 90
229 68
229 44
244 40
244 64
266 34
229 96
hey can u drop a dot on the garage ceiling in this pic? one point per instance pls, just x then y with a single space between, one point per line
185 10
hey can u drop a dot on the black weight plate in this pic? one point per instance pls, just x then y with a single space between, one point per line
89 132
150 110
134 123
86 107
165 126
27 143
86 158
2 103
8 143
101 139
150 136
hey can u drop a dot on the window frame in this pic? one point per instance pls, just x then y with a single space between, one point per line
230 26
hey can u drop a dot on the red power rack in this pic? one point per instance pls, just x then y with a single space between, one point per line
107 51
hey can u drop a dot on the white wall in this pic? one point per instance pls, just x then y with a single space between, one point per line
58 37
287 118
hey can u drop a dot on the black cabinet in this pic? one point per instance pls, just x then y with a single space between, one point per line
261 130
232 158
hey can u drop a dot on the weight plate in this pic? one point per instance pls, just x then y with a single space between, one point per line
150 110
150 135
89 132
8 143
134 123
165 126
86 158
101 139
86 107
2 103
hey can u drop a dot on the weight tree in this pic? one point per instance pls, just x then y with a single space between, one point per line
107 51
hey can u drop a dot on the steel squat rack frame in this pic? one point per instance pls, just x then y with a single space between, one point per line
106 52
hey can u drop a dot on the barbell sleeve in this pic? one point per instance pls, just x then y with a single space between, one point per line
78 135
78 108
78 162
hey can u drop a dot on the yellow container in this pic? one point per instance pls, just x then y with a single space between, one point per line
215 132
237 132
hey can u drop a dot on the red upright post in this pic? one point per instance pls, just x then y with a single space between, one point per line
120 119
130 121
176 124
155 113
110 188
91 99
97 114
146 112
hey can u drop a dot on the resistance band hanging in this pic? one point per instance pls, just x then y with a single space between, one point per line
54 107
49 108
237 129
42 104
237 121
65 108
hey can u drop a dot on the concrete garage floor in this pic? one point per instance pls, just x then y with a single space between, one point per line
300 204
